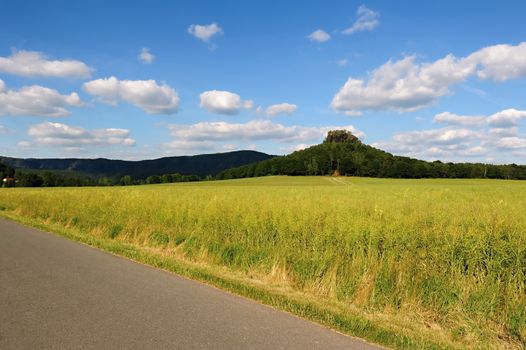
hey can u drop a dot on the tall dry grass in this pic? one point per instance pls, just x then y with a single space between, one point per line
449 255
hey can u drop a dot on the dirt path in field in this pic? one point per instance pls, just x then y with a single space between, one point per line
338 181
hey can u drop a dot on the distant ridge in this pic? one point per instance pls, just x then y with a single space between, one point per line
342 153
202 165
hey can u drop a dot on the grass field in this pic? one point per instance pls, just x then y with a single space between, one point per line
406 263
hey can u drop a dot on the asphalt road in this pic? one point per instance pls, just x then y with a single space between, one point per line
59 294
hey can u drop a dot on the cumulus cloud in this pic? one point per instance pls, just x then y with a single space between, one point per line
62 135
36 64
215 135
501 62
146 56
280 108
145 94
319 36
223 102
485 138
367 20
205 32
36 101
401 85
407 85
506 118
455 119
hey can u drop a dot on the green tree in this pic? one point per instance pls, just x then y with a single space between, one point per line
153 179
28 180
105 181
49 179
126 180
6 171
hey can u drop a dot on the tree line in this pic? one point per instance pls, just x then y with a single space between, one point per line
22 178
343 154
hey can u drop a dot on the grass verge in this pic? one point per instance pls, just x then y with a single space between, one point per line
332 316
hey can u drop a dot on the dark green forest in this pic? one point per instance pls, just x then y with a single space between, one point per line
46 178
6 171
54 179
342 153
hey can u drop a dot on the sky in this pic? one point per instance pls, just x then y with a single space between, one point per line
147 79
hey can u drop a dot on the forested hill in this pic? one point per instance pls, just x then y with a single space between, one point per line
202 165
343 153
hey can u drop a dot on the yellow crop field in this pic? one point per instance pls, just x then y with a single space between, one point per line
425 263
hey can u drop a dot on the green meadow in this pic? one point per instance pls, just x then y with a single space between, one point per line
425 263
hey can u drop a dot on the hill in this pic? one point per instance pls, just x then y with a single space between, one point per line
342 153
202 165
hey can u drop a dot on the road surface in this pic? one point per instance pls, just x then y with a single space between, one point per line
60 294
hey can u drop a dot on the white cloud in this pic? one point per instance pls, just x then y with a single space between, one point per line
367 20
406 85
512 142
36 101
475 151
503 132
445 144
501 62
280 108
146 56
62 135
253 130
506 118
216 135
487 138
401 85
443 136
184 147
229 147
145 94
353 113
3 130
301 147
34 64
293 148
223 102
205 32
454 119
319 36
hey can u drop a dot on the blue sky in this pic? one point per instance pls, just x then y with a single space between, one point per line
433 80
